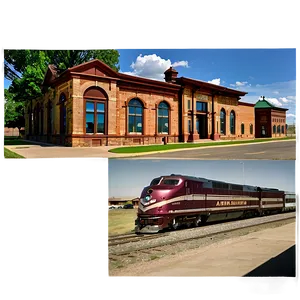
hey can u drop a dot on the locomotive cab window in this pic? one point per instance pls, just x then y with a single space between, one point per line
170 181
155 181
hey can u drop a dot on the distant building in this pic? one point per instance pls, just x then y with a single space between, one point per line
270 121
122 201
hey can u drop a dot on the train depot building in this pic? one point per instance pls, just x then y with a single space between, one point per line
93 105
270 121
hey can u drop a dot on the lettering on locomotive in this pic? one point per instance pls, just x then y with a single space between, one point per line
230 203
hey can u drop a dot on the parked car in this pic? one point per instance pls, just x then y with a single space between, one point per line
111 207
115 206
126 206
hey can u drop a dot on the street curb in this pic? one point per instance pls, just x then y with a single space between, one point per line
121 155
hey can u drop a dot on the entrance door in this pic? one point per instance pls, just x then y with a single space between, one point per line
201 126
197 125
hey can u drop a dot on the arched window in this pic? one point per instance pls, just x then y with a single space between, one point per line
278 129
251 128
95 110
274 129
49 117
222 121
163 118
242 128
232 122
282 129
62 114
135 116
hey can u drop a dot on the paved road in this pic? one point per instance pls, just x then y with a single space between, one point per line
281 150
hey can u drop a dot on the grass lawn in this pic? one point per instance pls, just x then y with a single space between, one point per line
151 148
121 221
7 155
15 140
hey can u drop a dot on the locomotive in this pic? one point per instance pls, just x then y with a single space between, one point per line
175 200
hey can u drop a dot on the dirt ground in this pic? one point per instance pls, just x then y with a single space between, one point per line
121 221
233 256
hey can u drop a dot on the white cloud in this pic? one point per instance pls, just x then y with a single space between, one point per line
182 63
291 97
276 92
153 66
274 101
283 88
291 116
239 84
283 99
215 81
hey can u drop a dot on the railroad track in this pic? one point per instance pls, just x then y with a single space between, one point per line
131 238
156 249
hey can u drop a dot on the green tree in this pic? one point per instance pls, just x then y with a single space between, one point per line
13 112
65 59
27 68
28 85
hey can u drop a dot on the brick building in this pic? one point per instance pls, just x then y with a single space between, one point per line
270 121
93 105
122 201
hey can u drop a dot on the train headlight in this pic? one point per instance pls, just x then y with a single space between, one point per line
148 197
149 191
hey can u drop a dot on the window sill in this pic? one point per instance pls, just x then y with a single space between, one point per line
94 133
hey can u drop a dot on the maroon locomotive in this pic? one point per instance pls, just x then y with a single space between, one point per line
175 200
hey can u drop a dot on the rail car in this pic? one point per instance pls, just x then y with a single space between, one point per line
175 200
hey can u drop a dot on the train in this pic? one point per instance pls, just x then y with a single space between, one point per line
175 200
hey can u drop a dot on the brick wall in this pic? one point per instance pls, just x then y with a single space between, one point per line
246 117
244 114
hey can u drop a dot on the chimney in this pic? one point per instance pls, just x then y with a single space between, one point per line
171 75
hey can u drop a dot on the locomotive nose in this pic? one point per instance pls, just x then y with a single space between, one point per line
148 198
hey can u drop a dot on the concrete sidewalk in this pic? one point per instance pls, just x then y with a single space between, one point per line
43 150
268 252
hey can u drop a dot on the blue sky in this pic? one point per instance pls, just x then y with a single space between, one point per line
128 177
259 72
